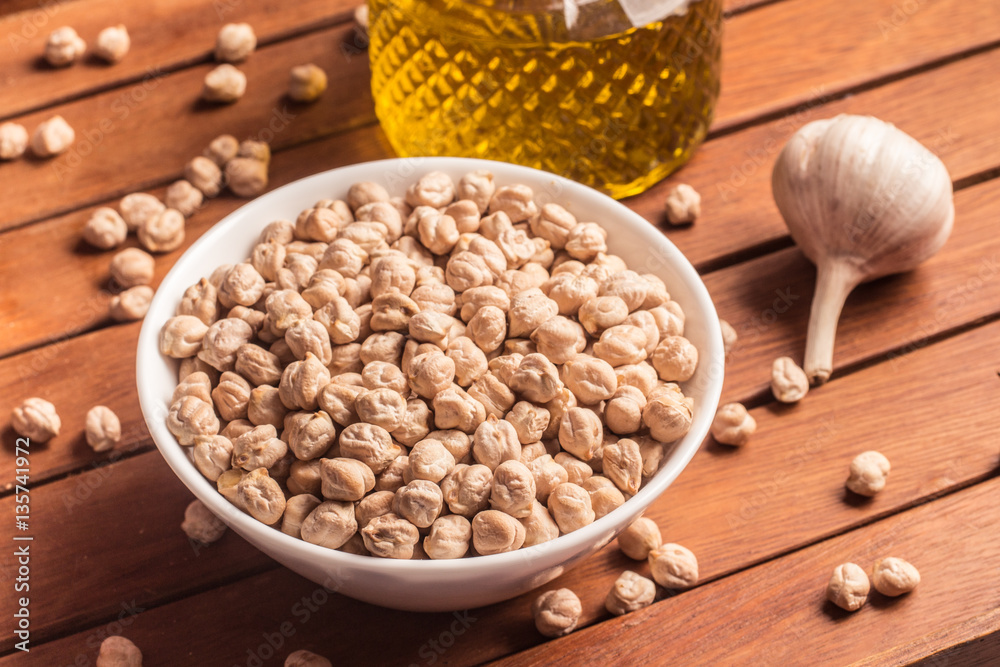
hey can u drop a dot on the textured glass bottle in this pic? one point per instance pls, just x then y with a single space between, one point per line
605 103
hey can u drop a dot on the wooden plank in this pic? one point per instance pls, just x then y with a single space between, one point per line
821 48
739 215
75 289
98 534
733 508
767 300
733 173
950 541
166 101
142 134
166 34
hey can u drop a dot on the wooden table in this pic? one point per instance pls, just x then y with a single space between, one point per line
916 375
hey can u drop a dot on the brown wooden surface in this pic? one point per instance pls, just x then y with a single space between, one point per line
916 359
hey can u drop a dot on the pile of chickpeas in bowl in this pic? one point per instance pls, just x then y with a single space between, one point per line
452 372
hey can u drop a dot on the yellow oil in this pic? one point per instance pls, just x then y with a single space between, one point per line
606 104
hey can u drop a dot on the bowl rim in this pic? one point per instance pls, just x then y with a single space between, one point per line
272 539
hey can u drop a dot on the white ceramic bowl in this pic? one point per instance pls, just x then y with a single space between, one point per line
433 585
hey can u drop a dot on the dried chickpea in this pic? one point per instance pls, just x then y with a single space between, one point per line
466 489
118 652
235 43
302 381
570 506
559 339
365 192
494 395
200 524
306 83
260 447
224 84
894 576
13 141
470 360
591 380
733 425
36 419
227 485
266 407
675 359
557 612
382 407
604 495
285 308
557 407
102 428
848 587
668 416
683 204
622 345
622 464
586 240
112 43
258 365
580 432
197 384
430 373
601 313
449 537
513 489
370 444
390 536
132 304
304 658
64 47
304 477
623 412
261 496
494 442
641 376
105 229
577 471
430 460
868 472
553 225
246 177
420 502
673 566
729 336
640 538
570 291
231 396
789 383
345 479
528 310
478 187
630 592
434 189
309 434
495 532
212 455
529 421
297 508
669 319
539 526
131 267
51 137
645 322
392 311
162 233
203 174
182 336
330 524
547 475
536 379
309 336
222 339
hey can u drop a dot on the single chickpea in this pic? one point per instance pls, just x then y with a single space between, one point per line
729 336
392 312
675 359
223 338
231 396
118 652
266 407
683 205
570 506
390 536
392 273
306 83
36 419
623 412
621 345
559 339
345 479
668 415
227 485
330 524
64 47
246 177
629 593
221 150
470 360
437 232
309 336
235 43
547 476
112 43
478 187
310 434
304 477
182 196
162 233
297 508
105 229
435 297
553 224
640 538
285 308
224 84
628 286
557 612
488 328
13 141
139 207
539 526
197 384
517 201
591 380
848 587
868 472
789 383
201 525
513 489
260 447
382 407
261 497
370 444
258 365
466 270
494 442
365 192
528 310
302 381
894 576
570 292
204 174
733 425
586 240
212 455
131 267
131 305
529 421
642 376
52 137
430 460
622 464
430 373
604 497
466 489
182 336
449 537
645 322
420 502
495 532
387 347
102 428
601 313
434 189
580 432
673 566
302 657
669 319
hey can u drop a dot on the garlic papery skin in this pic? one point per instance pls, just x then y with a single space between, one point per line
862 199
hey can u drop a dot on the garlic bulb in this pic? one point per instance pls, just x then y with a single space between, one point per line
862 199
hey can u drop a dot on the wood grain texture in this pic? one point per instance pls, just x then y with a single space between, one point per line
97 535
733 173
804 49
733 508
166 35
142 134
950 541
